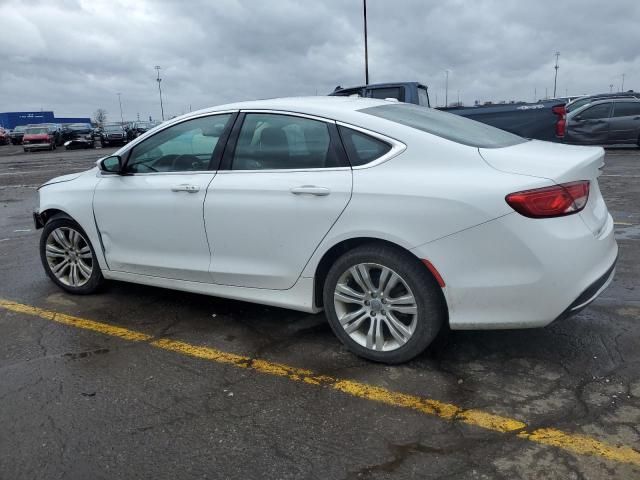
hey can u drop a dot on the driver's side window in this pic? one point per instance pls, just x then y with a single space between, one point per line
187 146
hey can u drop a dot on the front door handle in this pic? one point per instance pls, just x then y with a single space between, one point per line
185 187
310 190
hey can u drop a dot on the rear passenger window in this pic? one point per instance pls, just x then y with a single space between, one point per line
387 92
361 148
626 109
273 142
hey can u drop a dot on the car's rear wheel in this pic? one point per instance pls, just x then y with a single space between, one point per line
68 256
383 303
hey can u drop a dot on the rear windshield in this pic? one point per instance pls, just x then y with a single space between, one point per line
36 131
446 125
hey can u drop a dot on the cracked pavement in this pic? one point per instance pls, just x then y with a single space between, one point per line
77 404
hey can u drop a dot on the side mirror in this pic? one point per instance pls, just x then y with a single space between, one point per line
111 164
578 117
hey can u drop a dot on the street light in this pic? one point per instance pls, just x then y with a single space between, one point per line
622 87
120 102
555 80
446 88
157 67
366 49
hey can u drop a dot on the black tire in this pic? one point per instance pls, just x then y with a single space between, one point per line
26 150
94 281
431 308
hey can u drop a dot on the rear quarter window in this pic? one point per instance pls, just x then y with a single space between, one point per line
446 125
362 148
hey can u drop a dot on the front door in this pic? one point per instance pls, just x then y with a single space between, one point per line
151 219
590 126
285 184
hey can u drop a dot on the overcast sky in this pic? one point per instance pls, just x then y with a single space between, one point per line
74 56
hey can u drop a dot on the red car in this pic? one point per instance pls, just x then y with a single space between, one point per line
4 137
36 138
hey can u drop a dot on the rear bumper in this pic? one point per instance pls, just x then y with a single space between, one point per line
515 272
590 293
35 146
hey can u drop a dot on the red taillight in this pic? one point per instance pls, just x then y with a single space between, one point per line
561 112
561 125
555 201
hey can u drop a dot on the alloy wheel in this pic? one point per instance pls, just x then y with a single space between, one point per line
375 307
69 256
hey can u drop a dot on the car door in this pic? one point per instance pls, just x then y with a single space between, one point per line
625 122
590 126
285 181
150 218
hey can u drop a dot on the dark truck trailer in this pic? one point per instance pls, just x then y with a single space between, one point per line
541 120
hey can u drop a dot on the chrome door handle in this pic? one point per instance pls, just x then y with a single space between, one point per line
185 187
310 190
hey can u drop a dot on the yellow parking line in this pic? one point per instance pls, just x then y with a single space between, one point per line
575 443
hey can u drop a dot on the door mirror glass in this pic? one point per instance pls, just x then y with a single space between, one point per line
111 164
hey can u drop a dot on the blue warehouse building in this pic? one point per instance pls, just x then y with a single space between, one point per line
10 120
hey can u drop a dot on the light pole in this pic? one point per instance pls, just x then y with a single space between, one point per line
157 67
555 79
446 88
366 46
622 87
121 116
611 88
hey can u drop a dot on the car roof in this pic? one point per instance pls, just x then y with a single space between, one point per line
329 107
602 101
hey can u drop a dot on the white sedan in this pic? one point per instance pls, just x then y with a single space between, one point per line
393 218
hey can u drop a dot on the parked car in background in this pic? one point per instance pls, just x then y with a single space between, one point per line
17 134
5 138
38 138
530 120
55 129
78 135
353 205
582 101
113 134
605 122
138 128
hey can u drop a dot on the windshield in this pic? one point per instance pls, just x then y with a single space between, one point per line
112 128
446 125
20 128
36 131
80 128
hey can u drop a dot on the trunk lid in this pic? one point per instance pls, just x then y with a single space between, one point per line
559 163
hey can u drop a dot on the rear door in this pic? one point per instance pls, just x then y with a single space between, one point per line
625 122
590 126
284 183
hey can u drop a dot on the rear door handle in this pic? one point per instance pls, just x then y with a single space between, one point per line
185 187
310 190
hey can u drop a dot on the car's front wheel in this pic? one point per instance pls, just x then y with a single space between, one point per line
383 303
68 257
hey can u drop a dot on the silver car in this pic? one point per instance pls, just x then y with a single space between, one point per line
605 122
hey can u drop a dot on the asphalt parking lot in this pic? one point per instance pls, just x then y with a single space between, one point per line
140 382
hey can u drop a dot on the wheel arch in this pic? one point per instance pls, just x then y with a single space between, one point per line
48 214
333 253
